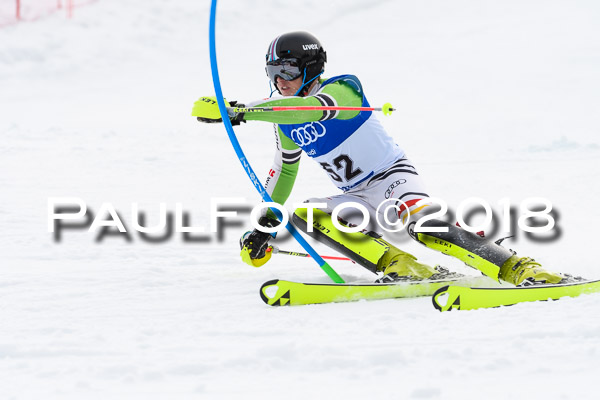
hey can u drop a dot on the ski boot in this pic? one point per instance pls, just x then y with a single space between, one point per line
440 273
525 271
398 265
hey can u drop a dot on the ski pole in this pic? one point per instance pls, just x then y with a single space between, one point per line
386 109
240 154
277 250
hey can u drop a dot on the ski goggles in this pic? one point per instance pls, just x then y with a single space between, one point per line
287 70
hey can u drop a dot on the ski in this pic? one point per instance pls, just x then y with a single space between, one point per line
452 297
285 293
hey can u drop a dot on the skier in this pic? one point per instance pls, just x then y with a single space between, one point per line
363 161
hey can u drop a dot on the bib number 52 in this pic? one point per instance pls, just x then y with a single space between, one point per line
344 164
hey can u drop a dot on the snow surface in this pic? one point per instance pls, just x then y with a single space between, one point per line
495 99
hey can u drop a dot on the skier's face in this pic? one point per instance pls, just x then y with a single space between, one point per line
288 88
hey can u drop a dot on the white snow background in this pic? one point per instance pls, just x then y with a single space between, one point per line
495 99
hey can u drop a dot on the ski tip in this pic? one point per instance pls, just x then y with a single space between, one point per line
266 286
439 297
274 295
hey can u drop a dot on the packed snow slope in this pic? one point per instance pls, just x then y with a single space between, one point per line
495 100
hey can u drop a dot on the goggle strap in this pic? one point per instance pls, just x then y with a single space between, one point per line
271 88
304 84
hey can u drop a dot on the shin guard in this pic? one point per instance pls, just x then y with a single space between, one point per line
476 252
364 249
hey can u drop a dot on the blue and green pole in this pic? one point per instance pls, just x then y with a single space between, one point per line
238 150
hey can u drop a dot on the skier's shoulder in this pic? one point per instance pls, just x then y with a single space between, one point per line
344 90
344 80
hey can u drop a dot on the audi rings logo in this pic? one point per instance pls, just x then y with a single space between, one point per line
308 133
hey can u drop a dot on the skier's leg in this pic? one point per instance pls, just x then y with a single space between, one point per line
367 247
405 190
485 255
482 254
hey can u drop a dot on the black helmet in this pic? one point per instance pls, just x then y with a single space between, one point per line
302 51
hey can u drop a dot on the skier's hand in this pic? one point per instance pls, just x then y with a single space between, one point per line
235 117
255 244
206 110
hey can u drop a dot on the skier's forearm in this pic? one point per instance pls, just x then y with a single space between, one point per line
287 117
283 173
282 188
285 183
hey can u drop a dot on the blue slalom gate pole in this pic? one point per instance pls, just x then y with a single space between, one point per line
238 150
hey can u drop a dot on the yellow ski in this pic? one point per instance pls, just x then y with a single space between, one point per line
285 293
452 297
